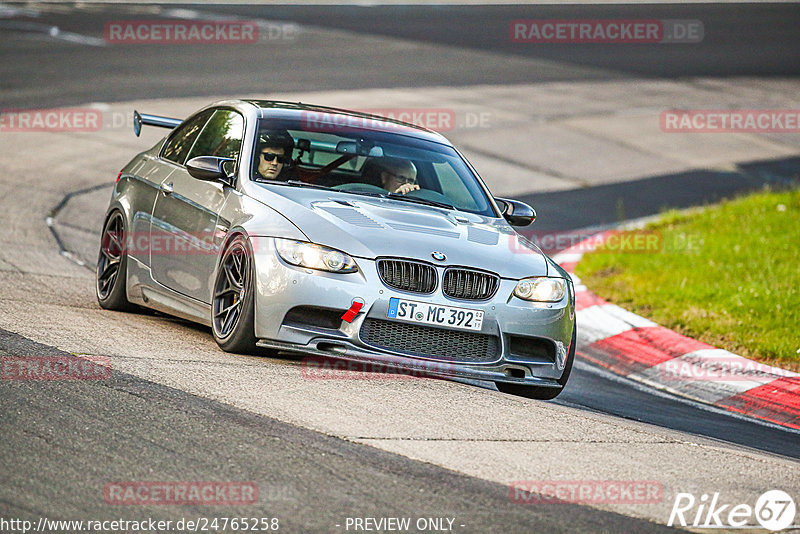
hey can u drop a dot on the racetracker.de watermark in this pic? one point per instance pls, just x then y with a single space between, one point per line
436 119
608 242
133 32
730 121
641 241
158 243
321 368
605 31
51 120
180 493
719 366
87 119
180 32
586 492
55 368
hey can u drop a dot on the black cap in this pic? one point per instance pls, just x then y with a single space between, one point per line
276 138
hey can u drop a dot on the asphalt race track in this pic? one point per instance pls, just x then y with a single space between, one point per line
178 409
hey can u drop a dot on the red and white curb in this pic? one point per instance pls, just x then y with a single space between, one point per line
639 349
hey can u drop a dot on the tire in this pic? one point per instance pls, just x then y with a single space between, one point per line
112 266
539 392
233 302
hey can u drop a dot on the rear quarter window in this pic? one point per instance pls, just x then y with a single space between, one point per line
180 142
221 136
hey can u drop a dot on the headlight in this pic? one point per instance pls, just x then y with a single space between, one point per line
314 256
541 289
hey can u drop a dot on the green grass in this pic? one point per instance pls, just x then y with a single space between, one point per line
728 275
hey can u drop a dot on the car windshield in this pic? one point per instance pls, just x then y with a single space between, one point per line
367 162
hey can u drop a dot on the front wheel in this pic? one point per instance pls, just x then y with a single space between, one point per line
233 317
539 392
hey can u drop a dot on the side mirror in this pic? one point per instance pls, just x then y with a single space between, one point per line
208 168
515 212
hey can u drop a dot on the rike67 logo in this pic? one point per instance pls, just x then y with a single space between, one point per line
774 510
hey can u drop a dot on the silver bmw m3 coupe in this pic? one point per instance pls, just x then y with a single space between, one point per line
310 229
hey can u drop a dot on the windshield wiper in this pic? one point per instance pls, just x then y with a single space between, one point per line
293 183
298 183
398 196
364 193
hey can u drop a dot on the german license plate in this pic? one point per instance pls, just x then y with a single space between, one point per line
434 314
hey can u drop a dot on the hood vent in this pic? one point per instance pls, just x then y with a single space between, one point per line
353 216
484 237
424 230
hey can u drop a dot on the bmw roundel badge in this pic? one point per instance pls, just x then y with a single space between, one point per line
438 256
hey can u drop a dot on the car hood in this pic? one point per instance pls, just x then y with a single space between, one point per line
371 227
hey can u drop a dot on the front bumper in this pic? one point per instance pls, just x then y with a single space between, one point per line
281 288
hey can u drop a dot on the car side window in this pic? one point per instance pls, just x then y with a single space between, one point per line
221 136
181 141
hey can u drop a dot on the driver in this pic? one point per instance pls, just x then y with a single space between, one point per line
274 156
396 175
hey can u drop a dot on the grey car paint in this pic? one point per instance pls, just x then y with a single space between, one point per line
159 197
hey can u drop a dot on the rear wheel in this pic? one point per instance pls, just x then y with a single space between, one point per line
232 311
539 392
112 265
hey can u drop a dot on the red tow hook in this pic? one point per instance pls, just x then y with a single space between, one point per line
355 307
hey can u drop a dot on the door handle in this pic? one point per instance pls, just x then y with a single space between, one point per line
167 189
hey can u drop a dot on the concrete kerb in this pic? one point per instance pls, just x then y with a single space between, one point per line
636 348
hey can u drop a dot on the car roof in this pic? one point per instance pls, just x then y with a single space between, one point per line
278 109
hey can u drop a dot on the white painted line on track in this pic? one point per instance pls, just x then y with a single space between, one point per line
52 32
8 11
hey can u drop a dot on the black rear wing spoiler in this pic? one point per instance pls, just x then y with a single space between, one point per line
152 120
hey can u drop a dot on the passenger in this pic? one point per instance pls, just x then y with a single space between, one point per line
274 156
396 175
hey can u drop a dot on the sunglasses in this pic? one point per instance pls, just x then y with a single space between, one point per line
272 157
